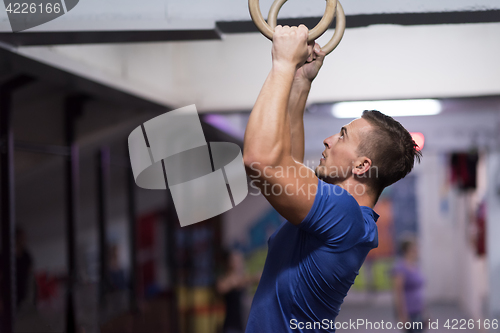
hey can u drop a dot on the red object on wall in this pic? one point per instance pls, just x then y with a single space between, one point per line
419 139
46 286
385 222
481 230
464 170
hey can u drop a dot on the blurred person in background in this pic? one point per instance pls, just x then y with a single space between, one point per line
117 275
408 286
232 285
24 279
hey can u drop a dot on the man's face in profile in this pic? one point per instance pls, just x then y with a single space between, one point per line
340 152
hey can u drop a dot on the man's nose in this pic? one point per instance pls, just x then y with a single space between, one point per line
328 141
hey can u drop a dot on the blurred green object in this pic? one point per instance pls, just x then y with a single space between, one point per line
360 281
256 260
375 276
382 274
255 264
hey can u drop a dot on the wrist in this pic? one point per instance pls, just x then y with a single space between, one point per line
302 83
284 67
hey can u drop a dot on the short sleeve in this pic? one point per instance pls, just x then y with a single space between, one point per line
335 218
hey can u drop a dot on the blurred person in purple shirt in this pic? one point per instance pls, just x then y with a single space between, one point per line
408 286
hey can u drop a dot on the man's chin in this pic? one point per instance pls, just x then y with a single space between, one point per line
320 172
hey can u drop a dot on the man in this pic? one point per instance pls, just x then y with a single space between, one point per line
315 255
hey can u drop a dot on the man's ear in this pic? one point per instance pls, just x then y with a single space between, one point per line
361 167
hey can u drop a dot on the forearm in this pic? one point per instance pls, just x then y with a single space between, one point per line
296 106
267 136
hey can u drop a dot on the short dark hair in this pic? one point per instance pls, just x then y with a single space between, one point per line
390 147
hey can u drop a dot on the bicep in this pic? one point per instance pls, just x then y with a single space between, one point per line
289 187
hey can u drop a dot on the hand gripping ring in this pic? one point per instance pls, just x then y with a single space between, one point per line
333 7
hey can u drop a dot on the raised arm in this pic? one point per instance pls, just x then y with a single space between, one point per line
267 145
298 98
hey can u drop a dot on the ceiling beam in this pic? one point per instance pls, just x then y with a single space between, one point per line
16 63
357 21
100 37
52 37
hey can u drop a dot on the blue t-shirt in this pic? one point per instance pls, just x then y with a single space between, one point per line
310 267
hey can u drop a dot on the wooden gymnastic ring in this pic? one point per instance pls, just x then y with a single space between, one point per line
332 7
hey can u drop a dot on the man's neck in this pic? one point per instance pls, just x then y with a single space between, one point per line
361 192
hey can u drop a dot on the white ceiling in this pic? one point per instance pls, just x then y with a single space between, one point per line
375 62
172 14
